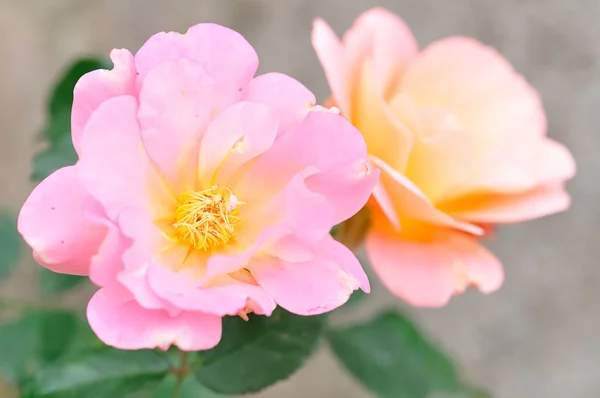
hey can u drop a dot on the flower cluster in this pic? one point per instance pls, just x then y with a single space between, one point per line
202 191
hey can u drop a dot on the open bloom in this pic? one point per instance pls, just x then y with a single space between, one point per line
200 192
461 142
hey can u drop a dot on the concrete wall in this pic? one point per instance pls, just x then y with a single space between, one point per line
538 336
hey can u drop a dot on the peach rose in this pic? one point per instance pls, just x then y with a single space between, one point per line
461 141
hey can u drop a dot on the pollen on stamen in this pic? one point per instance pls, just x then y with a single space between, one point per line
207 219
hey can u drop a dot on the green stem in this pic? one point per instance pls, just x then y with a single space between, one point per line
181 373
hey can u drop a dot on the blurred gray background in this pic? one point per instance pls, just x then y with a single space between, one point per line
539 337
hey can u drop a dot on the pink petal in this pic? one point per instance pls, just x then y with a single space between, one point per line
108 261
53 223
113 166
311 287
146 242
127 326
289 248
155 285
347 188
497 208
225 55
307 213
181 291
427 273
296 209
232 258
97 86
227 298
410 203
284 94
325 142
334 61
177 101
338 253
237 135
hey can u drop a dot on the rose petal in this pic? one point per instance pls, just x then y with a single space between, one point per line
225 55
442 156
113 133
327 143
127 326
334 61
287 96
385 38
497 208
98 86
108 261
387 136
410 203
297 209
147 240
384 201
554 163
308 288
338 253
177 100
347 188
498 110
237 135
228 298
427 273
53 223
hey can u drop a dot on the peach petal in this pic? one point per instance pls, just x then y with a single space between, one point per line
427 273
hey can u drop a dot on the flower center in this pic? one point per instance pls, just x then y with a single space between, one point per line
208 218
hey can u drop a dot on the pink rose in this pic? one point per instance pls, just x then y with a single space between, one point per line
461 141
200 192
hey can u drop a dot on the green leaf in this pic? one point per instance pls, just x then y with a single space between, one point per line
59 155
18 348
57 332
109 373
356 298
85 340
255 354
35 338
57 132
190 388
10 244
391 357
52 283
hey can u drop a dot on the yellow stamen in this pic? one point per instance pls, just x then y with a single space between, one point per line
208 218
